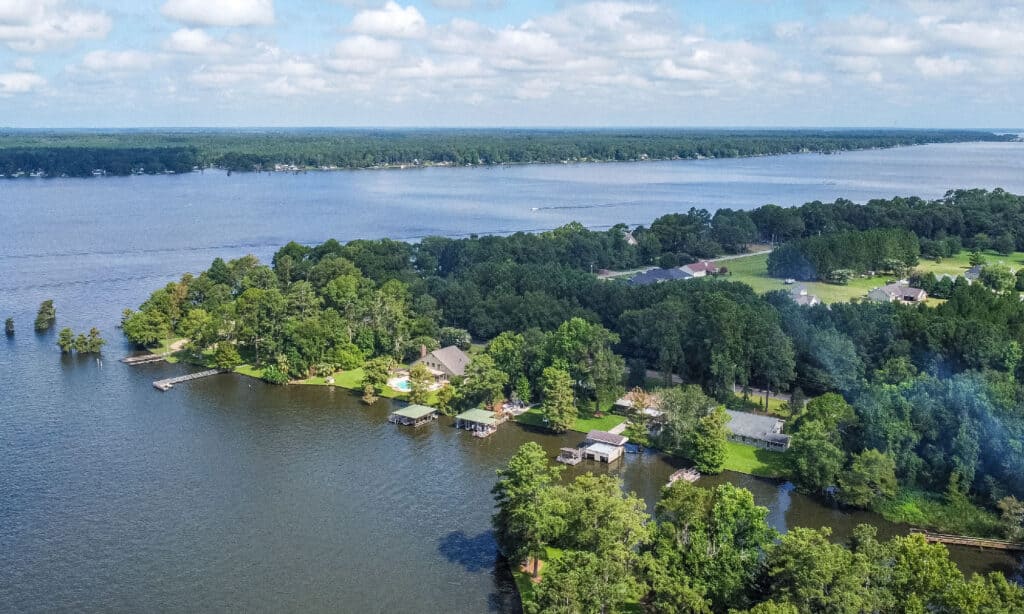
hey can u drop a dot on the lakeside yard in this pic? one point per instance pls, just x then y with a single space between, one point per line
584 423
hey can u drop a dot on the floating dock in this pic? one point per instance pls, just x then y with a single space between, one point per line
143 359
688 474
976 542
167 384
570 456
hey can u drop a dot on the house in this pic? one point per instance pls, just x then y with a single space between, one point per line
700 269
656 276
800 296
444 363
897 292
756 430
604 446
974 273
652 405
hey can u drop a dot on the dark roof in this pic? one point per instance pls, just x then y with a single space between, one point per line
902 292
606 437
657 275
974 272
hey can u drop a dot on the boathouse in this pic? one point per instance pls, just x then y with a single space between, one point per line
756 430
480 421
413 415
604 446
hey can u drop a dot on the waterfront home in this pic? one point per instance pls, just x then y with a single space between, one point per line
757 430
650 400
604 446
480 422
800 296
656 276
897 292
413 415
444 363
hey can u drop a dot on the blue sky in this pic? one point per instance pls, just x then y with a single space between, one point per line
901 63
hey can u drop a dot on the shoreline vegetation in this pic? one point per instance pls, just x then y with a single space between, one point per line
73 153
901 395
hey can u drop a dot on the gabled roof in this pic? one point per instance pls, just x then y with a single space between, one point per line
900 291
454 359
606 437
697 267
753 426
974 272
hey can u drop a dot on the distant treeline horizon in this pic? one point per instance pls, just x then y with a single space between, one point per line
83 153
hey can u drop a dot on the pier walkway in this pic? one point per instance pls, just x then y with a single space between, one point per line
977 542
167 384
144 359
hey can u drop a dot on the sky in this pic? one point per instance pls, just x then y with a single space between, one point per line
153 63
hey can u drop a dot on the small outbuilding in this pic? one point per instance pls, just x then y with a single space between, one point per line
604 446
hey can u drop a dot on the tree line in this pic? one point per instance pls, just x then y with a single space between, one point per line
710 550
78 153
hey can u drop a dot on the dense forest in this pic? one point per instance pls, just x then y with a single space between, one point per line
710 550
80 153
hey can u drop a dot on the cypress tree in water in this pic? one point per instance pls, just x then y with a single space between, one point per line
46 317
9 326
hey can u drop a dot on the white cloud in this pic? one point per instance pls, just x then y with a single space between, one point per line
796 77
39 25
670 70
367 47
390 21
196 41
220 12
20 83
104 61
944 66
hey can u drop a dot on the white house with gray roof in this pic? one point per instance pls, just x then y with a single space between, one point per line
446 362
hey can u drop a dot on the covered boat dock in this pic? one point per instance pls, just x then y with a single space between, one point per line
413 415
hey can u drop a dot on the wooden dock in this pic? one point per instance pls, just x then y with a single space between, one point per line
167 384
975 542
143 359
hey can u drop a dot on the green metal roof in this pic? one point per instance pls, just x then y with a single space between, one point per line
414 412
480 416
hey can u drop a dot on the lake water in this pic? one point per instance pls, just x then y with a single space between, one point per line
226 494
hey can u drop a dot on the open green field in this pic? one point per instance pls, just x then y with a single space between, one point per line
956 265
754 461
584 423
753 271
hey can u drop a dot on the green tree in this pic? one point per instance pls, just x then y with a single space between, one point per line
369 394
200 328
420 381
815 575
1012 515
558 405
583 583
66 340
377 370
601 518
458 337
524 523
46 317
226 356
707 443
871 476
92 343
446 397
145 327
483 381
609 375
998 277
684 407
977 259
814 457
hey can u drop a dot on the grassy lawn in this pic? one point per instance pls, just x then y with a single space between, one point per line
956 265
754 461
584 423
934 512
249 370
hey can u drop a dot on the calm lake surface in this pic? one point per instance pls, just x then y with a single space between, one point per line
226 494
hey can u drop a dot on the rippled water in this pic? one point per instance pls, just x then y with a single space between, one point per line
225 494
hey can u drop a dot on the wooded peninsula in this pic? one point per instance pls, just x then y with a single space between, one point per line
82 153
911 409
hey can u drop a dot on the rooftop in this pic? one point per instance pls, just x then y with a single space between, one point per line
602 448
414 412
606 437
657 275
753 426
480 416
453 358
